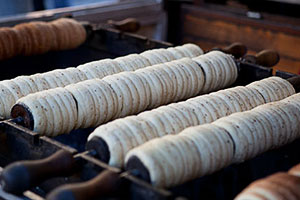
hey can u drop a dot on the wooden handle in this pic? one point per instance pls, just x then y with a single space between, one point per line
266 58
131 25
23 175
295 81
236 49
107 183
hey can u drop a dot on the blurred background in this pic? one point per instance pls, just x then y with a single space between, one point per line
12 7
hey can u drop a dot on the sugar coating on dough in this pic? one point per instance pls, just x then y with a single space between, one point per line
232 139
119 95
181 152
92 70
44 105
173 118
276 186
271 88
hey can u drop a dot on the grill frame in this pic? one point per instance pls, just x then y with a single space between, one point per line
19 143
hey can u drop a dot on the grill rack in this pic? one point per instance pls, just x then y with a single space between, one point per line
18 143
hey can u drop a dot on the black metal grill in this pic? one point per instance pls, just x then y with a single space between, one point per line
18 143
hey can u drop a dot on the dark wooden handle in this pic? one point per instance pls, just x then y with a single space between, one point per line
236 49
107 183
131 25
295 81
23 175
266 58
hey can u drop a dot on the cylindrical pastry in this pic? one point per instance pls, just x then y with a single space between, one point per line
129 93
244 136
272 89
96 69
69 34
279 186
56 111
295 171
172 159
216 72
121 135
40 37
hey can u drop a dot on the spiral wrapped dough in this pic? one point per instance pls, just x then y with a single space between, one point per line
283 186
40 37
10 90
279 186
171 119
295 171
56 111
126 93
228 140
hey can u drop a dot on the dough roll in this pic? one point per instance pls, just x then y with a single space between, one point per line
127 93
12 90
122 135
202 150
39 37
279 186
